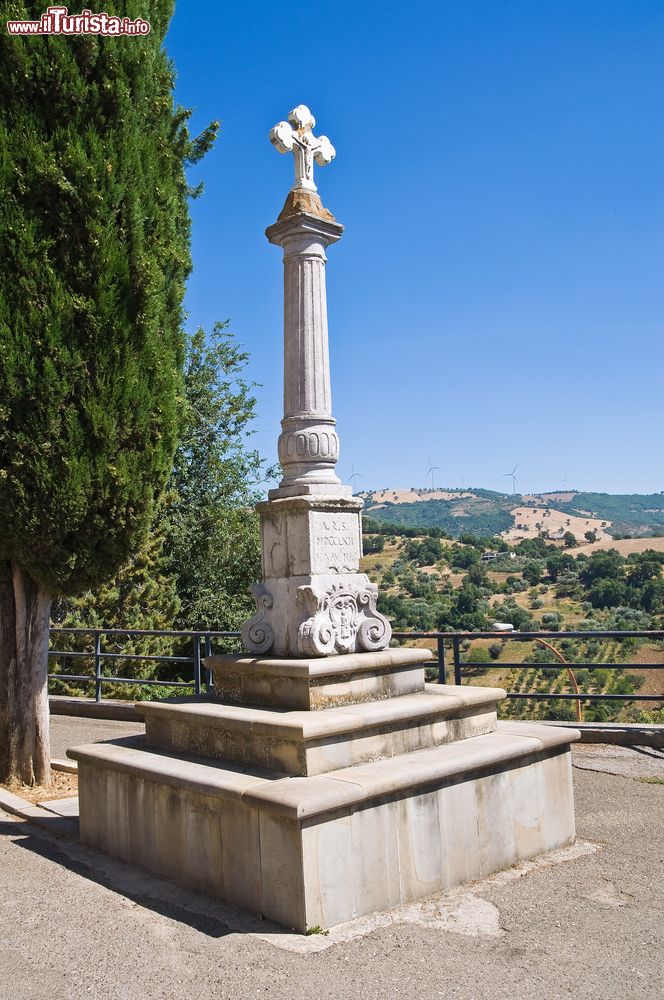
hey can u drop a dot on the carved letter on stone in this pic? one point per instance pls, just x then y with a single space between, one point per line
257 634
344 620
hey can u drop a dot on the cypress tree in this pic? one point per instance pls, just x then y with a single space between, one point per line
94 254
143 595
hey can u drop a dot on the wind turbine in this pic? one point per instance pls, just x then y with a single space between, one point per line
512 475
433 468
354 477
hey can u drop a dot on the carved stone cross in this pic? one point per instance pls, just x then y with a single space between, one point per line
296 136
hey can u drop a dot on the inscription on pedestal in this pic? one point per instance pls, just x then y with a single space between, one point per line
335 542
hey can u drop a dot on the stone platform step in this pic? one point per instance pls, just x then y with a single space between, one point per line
318 682
320 850
311 743
305 797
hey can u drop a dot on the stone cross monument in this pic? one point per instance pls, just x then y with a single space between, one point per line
314 788
312 600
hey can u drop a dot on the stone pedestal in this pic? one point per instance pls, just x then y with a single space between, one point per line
319 790
313 600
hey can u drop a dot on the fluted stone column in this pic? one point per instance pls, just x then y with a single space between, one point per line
308 444
312 601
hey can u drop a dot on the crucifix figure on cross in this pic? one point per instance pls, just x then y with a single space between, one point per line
296 136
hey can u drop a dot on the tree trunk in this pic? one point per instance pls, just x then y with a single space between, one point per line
24 621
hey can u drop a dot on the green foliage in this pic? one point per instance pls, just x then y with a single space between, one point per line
561 711
629 593
513 613
643 571
155 692
651 597
606 593
478 575
406 613
425 552
621 619
373 543
94 246
203 553
478 516
534 548
462 556
212 532
533 572
142 596
483 542
625 510
476 654
370 526
604 564
560 563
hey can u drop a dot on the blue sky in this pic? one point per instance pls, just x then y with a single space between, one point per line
498 294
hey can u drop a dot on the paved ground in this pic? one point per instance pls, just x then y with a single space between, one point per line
68 731
77 924
630 762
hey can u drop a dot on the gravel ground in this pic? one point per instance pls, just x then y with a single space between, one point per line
77 924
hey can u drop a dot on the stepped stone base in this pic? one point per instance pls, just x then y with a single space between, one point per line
323 850
318 682
358 789
309 743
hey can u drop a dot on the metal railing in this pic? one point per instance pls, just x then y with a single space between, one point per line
454 639
201 645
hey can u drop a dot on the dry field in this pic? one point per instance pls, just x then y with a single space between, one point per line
571 611
544 501
413 496
653 680
383 559
553 521
625 546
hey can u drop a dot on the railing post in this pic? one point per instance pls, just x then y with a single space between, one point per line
456 647
197 663
208 672
98 680
442 671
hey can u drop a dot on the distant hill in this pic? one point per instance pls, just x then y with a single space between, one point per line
486 512
629 513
